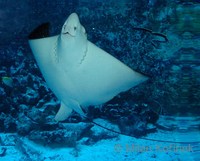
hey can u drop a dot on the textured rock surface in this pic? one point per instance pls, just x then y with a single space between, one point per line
67 135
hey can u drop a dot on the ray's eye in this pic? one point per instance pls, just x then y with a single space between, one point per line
75 28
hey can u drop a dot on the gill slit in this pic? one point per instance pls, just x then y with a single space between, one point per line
84 56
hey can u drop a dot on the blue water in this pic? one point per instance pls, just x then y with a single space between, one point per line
159 39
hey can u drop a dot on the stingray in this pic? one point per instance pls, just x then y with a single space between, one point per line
78 72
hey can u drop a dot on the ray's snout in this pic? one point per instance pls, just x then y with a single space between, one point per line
69 30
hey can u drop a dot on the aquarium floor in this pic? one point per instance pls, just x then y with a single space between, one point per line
122 148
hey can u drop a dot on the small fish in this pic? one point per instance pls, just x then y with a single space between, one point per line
7 81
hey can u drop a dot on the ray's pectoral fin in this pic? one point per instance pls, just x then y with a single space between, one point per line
76 107
63 112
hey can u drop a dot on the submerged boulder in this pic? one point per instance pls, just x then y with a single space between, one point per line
66 135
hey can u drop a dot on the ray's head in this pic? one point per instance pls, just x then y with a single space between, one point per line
72 27
73 38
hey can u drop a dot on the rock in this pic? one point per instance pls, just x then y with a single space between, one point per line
61 137
8 123
31 96
67 135
2 97
37 115
132 126
24 125
50 107
151 116
3 152
29 152
98 133
7 139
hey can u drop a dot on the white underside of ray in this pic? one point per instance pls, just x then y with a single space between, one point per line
55 75
94 80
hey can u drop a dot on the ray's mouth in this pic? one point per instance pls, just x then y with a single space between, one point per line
67 33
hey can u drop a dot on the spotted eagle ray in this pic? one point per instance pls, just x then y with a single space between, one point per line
78 72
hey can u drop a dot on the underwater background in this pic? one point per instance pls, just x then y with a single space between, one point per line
156 120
